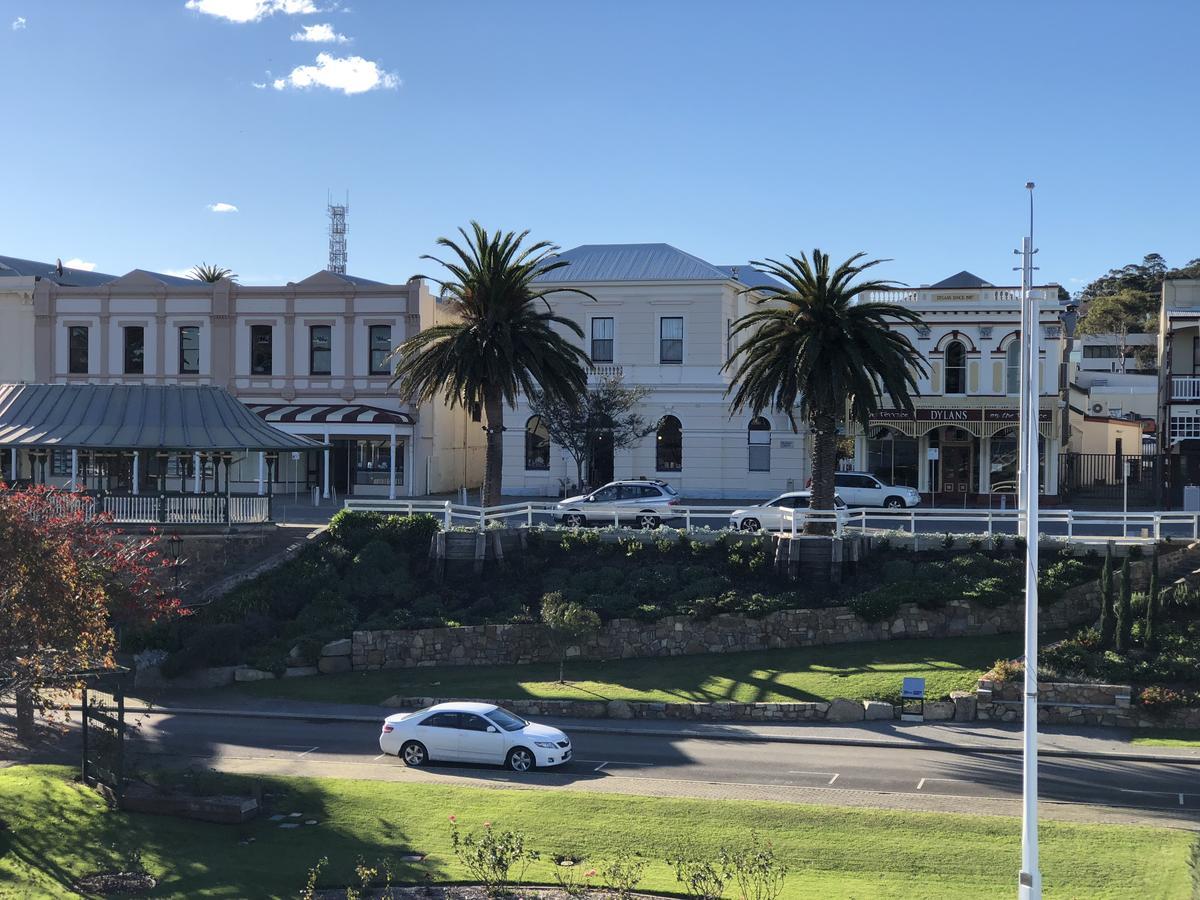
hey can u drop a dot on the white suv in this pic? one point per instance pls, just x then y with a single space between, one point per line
645 503
774 516
864 489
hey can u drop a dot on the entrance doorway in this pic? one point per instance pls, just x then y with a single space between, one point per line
956 469
339 467
600 469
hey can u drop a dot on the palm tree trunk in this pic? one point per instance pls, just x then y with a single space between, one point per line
493 413
824 463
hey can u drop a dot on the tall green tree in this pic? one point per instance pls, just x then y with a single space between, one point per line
1108 613
1125 609
1150 633
811 344
567 623
1121 314
503 342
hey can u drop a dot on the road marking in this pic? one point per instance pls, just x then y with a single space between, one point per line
920 784
599 767
798 772
379 757
834 778
1179 794
305 753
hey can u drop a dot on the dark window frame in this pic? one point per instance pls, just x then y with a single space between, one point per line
264 347
133 353
959 369
603 348
758 451
184 368
74 367
535 462
670 350
667 456
313 349
378 357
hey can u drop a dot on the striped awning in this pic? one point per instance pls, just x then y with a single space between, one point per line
331 414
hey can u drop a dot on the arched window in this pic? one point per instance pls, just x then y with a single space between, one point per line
758 436
1012 368
537 445
668 450
956 368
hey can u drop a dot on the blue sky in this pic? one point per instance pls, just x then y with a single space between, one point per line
734 131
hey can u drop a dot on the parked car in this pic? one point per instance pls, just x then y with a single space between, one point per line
646 503
773 515
472 732
864 489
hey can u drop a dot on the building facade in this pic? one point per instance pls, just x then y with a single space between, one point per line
1179 382
961 443
311 357
661 319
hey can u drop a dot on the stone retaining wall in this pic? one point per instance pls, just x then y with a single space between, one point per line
486 645
1067 703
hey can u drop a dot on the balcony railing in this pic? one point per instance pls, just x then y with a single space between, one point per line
606 370
1185 387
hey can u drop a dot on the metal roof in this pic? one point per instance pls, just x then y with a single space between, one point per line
963 279
13 266
632 262
343 413
135 417
751 277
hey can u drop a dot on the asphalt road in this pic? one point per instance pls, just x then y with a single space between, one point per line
316 748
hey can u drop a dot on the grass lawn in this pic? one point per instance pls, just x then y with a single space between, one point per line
58 831
1167 737
856 671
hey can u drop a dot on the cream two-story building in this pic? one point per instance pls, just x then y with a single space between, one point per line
960 444
661 319
312 357
1179 383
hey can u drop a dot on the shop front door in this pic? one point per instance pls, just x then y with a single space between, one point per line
956 469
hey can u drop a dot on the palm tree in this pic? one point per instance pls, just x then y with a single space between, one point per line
503 342
813 345
211 274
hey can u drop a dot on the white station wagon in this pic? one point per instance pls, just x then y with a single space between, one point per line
472 732
777 514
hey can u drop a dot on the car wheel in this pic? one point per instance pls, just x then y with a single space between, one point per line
647 520
750 525
574 520
894 503
520 759
414 754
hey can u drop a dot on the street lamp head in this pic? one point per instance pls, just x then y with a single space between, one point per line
1029 185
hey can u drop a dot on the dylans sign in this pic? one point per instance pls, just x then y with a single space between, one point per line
1003 414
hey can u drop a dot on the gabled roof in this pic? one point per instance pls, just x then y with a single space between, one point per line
751 277
134 417
335 278
145 276
963 279
12 266
632 262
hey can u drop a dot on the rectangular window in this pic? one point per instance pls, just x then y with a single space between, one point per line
135 350
260 350
189 350
602 340
760 450
320 340
670 340
1100 351
60 462
77 350
372 462
381 348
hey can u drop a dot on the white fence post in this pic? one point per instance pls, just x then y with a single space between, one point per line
1070 524
446 517
483 518
528 515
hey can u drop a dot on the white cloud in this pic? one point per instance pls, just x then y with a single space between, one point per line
319 34
222 208
259 85
251 10
349 74
76 263
19 23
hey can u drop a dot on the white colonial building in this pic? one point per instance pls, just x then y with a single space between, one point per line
960 445
661 319
310 357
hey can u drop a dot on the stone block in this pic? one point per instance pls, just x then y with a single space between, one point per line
877 709
337 648
619 709
245 673
965 705
331 665
300 671
939 710
844 711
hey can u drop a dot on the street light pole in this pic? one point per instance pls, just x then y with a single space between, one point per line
1030 880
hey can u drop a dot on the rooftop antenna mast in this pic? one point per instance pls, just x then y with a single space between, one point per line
337 234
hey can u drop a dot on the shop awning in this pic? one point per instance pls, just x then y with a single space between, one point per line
135 417
332 414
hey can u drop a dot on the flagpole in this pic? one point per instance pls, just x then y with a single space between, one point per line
1030 880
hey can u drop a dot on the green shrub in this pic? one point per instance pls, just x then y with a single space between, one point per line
896 570
991 592
876 605
206 646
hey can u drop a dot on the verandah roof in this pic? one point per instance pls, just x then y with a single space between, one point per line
135 417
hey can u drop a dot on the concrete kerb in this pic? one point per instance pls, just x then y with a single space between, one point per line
694 735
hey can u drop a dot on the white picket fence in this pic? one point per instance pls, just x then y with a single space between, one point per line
1065 522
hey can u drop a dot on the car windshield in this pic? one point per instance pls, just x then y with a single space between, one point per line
670 490
506 720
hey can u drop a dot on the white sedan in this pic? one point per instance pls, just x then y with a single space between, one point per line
473 732
774 516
